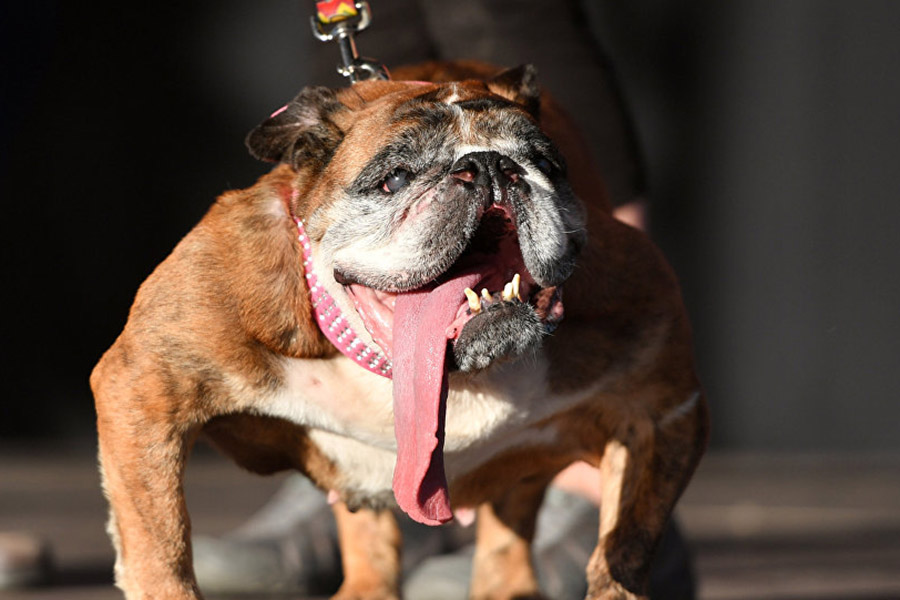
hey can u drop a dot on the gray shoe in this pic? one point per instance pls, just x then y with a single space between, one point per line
290 545
442 577
24 560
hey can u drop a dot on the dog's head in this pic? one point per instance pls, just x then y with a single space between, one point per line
438 214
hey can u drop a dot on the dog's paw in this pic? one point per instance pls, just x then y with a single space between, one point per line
614 592
535 596
356 593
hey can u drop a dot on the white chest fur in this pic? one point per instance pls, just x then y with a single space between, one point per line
349 413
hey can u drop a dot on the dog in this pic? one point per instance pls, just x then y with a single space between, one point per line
423 303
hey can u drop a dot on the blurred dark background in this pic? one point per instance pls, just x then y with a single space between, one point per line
771 131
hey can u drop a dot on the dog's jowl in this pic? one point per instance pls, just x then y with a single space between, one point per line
425 304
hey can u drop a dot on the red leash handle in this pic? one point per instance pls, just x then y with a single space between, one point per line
331 11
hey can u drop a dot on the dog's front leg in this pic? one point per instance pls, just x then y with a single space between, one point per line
142 464
370 553
502 568
644 468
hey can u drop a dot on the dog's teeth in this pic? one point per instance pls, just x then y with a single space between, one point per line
515 286
474 301
486 295
507 294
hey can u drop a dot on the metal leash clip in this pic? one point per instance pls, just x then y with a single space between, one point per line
340 20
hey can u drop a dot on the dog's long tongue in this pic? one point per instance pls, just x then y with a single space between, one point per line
421 319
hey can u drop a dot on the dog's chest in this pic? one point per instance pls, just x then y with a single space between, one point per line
349 414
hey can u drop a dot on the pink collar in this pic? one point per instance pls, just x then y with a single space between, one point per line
332 322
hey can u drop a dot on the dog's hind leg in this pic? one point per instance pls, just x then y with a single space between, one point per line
644 468
370 553
502 567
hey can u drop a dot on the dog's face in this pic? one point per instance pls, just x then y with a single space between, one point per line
439 214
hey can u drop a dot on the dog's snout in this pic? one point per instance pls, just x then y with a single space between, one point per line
490 171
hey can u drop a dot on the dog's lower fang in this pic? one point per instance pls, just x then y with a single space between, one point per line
474 301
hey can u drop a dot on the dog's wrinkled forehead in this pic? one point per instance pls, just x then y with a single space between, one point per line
450 99
438 126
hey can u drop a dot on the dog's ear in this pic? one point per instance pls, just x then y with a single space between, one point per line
518 84
300 133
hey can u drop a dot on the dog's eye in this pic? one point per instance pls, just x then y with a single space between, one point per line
545 166
397 180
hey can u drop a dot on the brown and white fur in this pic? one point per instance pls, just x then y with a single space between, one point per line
221 340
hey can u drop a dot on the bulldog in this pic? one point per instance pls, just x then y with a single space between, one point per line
424 303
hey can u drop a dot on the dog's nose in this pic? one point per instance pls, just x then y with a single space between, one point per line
490 171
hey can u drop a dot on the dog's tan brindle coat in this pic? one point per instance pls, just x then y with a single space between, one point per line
221 329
